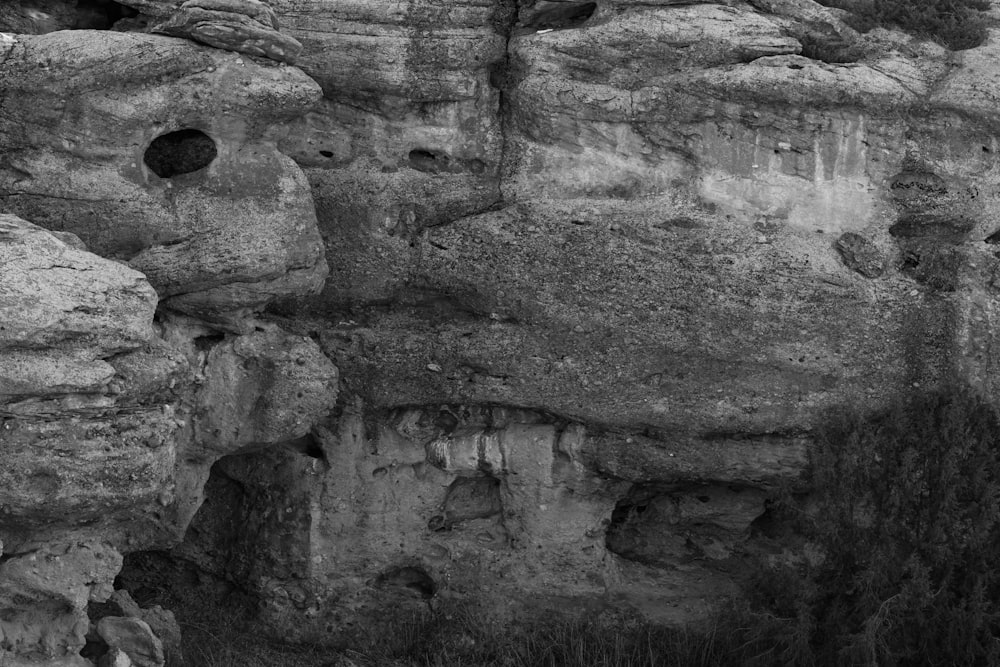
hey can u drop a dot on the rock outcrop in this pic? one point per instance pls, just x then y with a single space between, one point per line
529 301
246 26
113 407
166 162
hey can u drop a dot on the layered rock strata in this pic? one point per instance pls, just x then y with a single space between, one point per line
156 154
597 271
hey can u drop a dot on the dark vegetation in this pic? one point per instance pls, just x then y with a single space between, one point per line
957 24
907 518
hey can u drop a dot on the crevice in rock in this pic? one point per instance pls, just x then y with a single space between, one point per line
411 579
500 78
437 162
562 16
207 342
428 161
180 152
307 445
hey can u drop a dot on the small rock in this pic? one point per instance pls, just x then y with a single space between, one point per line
135 638
861 255
115 658
125 604
165 626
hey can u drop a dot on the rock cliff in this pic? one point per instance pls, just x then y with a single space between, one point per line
523 301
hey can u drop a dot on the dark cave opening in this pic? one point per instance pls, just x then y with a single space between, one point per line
429 161
414 579
562 16
39 17
101 14
469 498
181 152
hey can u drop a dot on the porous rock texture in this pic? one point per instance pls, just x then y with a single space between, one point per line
228 226
114 403
597 272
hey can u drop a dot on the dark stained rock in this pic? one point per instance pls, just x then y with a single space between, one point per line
861 255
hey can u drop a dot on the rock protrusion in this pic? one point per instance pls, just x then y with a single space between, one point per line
247 26
64 311
43 601
861 255
265 387
134 637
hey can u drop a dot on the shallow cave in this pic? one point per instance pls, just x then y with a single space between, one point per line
410 579
38 17
669 525
181 152
469 498
101 14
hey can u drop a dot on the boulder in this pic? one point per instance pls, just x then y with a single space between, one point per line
43 601
63 312
134 638
247 26
115 657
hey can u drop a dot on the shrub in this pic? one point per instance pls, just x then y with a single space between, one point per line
911 527
908 519
957 24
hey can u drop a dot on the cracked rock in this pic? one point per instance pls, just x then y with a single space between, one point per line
247 26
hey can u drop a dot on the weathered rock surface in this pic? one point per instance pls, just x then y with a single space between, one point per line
115 658
488 502
247 26
109 421
43 601
408 134
598 271
134 638
227 227
161 622
700 247
262 388
71 454
63 313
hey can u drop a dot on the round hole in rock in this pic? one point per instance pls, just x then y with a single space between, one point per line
180 152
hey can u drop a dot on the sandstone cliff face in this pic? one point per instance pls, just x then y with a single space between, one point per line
584 275
112 408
